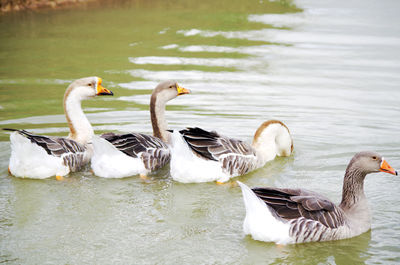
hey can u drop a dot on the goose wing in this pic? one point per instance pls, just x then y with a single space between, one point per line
235 155
72 153
151 150
293 204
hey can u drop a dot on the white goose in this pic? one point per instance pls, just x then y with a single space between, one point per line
287 216
124 155
200 156
39 157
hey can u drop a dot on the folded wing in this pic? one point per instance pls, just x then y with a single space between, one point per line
235 155
290 204
72 153
152 150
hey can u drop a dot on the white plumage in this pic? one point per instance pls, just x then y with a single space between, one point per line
39 157
297 215
31 161
109 162
187 167
260 223
201 156
124 155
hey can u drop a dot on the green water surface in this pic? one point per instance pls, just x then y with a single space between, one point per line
329 70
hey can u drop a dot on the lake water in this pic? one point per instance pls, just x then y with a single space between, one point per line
328 69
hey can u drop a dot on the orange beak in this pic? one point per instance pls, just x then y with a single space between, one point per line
385 167
102 91
182 90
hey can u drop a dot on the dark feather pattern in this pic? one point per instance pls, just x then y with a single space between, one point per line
235 155
292 204
151 150
70 151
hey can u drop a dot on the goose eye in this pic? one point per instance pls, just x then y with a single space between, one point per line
374 157
90 84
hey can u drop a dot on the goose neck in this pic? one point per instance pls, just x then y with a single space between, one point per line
158 121
265 151
353 188
272 139
80 128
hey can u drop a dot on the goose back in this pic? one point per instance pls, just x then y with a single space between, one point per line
151 150
236 156
72 153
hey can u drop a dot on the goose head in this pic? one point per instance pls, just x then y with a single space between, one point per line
360 165
370 162
86 88
273 138
164 92
167 90
81 89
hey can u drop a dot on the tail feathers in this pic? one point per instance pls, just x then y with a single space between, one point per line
251 201
10 129
108 162
260 222
31 160
102 146
22 132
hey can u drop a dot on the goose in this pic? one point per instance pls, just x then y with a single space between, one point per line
39 157
198 155
287 216
124 155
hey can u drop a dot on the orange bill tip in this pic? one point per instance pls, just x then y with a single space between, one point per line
385 167
182 90
102 91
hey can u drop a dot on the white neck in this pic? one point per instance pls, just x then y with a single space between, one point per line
274 140
80 128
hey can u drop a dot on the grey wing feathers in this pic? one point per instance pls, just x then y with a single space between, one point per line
70 151
202 142
151 150
235 155
292 204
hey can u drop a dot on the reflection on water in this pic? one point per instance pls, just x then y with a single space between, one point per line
349 251
328 70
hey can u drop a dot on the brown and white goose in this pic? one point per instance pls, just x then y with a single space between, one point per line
123 155
200 156
39 157
287 216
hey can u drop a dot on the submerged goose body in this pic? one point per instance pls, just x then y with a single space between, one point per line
209 156
39 157
124 155
287 216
